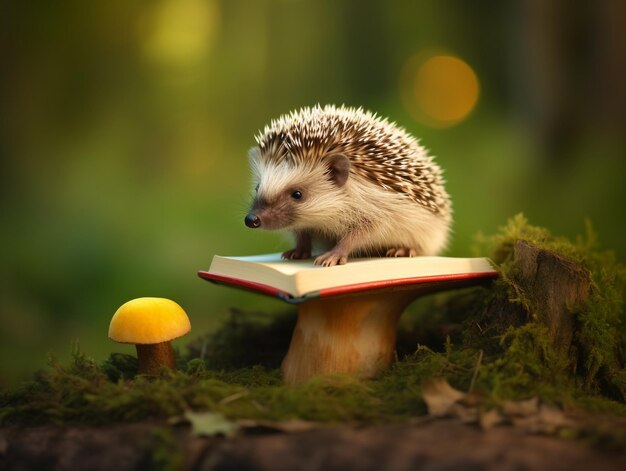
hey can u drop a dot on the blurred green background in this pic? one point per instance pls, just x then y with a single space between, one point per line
125 126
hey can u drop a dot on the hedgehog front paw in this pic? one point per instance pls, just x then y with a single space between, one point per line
296 254
331 258
401 252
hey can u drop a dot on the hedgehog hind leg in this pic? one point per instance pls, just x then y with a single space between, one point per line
402 252
332 257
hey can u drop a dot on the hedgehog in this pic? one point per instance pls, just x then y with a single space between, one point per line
347 183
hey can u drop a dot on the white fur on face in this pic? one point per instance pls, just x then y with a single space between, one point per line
321 200
383 218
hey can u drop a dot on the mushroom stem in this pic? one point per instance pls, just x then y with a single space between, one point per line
152 357
345 334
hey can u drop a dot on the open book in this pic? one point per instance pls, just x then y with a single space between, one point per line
296 281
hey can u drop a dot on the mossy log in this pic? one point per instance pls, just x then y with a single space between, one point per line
550 289
436 445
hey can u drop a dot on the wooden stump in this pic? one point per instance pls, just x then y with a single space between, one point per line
553 288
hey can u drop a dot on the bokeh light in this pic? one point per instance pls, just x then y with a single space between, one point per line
439 90
180 32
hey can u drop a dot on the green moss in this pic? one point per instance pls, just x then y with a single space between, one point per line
234 371
599 335
528 365
83 393
246 339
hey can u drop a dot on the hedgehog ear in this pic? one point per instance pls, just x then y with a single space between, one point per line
338 168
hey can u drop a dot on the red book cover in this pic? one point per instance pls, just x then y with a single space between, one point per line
477 272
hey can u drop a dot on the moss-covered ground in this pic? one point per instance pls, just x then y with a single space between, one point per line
235 370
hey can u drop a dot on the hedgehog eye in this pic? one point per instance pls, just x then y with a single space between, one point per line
256 188
296 195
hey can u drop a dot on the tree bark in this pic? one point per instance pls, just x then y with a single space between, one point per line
436 445
553 288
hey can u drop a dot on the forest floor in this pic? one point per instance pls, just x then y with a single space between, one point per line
438 444
527 373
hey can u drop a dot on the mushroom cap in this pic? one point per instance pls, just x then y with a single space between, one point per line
148 321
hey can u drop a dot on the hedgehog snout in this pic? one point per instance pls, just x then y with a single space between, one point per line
252 221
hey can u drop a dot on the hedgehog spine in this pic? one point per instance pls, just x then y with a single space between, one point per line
390 199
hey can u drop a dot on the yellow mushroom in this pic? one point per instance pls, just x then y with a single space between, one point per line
150 324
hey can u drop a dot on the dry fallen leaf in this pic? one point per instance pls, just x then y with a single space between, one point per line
466 414
521 408
554 417
442 400
490 419
210 424
439 396
547 419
